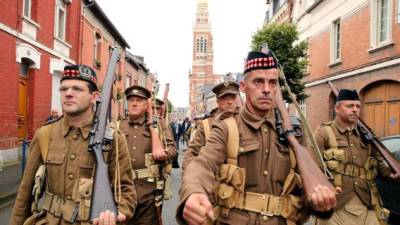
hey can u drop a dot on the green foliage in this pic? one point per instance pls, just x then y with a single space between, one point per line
292 57
170 107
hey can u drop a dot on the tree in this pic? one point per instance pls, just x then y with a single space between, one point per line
292 57
170 107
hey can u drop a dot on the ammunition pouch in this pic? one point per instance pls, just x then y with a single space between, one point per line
168 182
39 187
71 210
381 212
337 163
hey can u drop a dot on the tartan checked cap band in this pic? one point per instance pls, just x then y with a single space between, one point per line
259 60
80 72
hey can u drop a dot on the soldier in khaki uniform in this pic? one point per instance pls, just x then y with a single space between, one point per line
258 179
69 165
227 94
146 167
354 165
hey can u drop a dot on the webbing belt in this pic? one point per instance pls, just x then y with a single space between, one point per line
60 207
264 204
144 173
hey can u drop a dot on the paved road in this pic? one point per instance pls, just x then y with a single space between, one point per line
170 205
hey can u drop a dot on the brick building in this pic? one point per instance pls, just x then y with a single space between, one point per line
37 41
98 35
203 60
353 44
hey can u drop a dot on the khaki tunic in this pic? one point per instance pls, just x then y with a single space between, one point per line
356 154
266 163
139 143
68 160
198 141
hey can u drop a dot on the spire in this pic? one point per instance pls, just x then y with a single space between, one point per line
202 1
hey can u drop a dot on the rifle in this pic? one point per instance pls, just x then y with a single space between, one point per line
164 113
369 137
102 198
310 172
156 146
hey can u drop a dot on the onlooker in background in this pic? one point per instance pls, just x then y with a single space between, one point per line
185 126
54 115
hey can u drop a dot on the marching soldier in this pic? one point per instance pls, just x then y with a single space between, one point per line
148 177
62 147
259 183
354 165
227 94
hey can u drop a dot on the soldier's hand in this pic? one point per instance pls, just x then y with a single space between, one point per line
108 218
323 198
395 176
105 218
197 209
159 154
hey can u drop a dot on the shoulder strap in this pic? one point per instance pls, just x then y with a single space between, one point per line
331 137
44 138
233 141
206 126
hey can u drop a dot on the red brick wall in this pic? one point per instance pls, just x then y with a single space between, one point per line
354 54
355 44
8 92
40 80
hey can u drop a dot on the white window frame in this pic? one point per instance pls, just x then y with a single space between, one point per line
60 6
398 11
336 43
376 18
28 13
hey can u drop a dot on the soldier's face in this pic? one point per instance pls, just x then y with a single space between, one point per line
348 110
136 106
76 98
227 103
260 87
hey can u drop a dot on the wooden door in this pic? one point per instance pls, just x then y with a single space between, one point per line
22 121
381 108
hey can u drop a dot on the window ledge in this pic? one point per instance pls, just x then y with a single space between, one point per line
335 63
29 20
381 46
59 40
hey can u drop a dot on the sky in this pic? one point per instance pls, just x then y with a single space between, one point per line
162 32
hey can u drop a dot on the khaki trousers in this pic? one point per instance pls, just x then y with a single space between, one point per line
353 213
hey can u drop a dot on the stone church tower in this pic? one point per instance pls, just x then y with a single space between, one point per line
201 77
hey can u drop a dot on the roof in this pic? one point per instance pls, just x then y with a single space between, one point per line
99 13
136 61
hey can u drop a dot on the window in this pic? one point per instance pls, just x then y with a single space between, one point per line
25 64
27 8
398 11
60 19
381 16
97 47
383 20
335 41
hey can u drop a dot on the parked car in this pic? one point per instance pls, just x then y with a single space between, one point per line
389 190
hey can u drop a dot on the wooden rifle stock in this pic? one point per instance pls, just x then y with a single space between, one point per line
156 144
369 136
164 113
102 197
311 174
